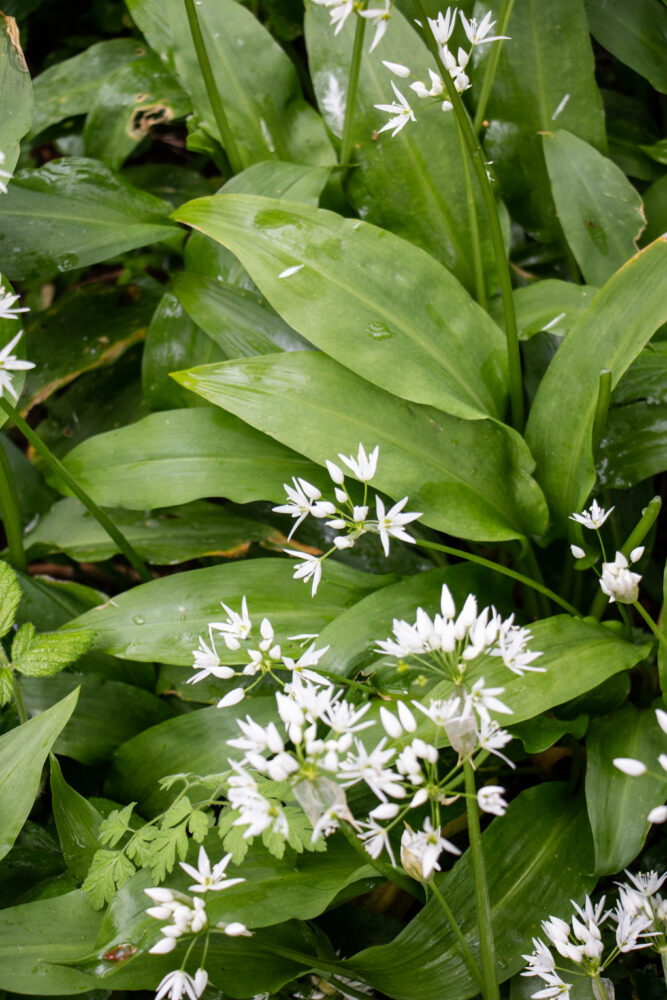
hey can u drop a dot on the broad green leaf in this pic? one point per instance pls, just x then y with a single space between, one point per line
634 446
173 339
77 822
34 859
35 497
182 455
469 478
237 320
276 179
23 751
538 857
35 963
543 731
256 80
635 32
617 803
414 331
545 80
107 713
599 209
15 86
646 378
69 87
107 320
163 537
133 99
412 184
163 620
72 213
10 595
169 181
561 420
630 127
655 204
550 305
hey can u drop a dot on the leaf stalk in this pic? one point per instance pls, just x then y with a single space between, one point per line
484 925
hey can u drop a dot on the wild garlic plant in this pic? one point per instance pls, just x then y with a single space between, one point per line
594 937
635 768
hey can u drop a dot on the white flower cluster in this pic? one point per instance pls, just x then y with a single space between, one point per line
352 520
634 768
640 921
340 10
186 915
3 174
442 29
8 361
264 654
617 580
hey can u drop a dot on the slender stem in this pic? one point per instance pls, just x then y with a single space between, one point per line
478 265
18 701
503 570
663 959
386 871
9 502
485 928
492 64
226 134
660 636
479 165
468 956
59 469
352 87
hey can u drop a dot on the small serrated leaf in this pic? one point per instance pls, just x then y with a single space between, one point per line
274 843
50 652
108 872
10 595
177 812
169 842
23 640
116 825
198 825
6 686
140 847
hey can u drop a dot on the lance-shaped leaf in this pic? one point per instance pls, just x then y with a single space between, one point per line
545 80
609 334
164 619
73 213
618 805
256 80
369 299
16 88
469 478
77 822
634 31
414 183
23 751
634 446
538 857
599 209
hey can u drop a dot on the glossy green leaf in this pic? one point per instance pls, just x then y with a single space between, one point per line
315 405
561 420
634 31
237 320
106 321
173 339
182 455
550 305
73 213
634 446
70 87
599 209
23 751
256 80
655 204
107 713
538 857
35 859
412 184
545 80
163 620
414 331
276 179
77 822
15 86
617 803
132 100
163 537
35 963
646 378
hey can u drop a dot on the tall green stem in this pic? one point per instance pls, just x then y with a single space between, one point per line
660 636
468 956
226 134
352 88
503 570
479 165
478 265
492 64
11 518
59 469
484 925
